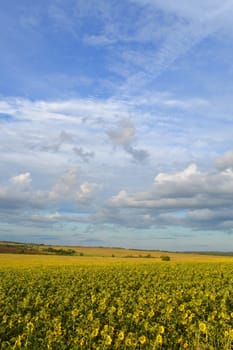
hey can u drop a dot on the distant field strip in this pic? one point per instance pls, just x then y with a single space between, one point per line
115 304
102 256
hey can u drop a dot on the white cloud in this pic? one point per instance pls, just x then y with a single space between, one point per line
65 187
101 40
22 180
46 217
225 161
87 193
190 197
186 174
70 111
184 190
123 135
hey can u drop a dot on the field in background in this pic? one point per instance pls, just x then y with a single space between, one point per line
20 254
21 260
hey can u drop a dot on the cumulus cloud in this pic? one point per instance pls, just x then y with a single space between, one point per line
187 189
66 186
225 161
189 197
22 180
18 195
87 193
21 204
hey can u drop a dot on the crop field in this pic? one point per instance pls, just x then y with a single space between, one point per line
115 304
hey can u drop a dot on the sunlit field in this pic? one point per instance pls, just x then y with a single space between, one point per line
96 302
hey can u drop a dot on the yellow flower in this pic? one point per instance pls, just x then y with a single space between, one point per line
82 341
30 327
90 316
169 309
128 342
151 314
202 327
18 341
186 344
108 340
74 312
181 307
95 332
58 329
93 298
222 315
112 309
121 335
161 329
142 339
119 312
105 327
76 340
159 339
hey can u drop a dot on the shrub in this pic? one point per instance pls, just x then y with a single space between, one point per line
165 258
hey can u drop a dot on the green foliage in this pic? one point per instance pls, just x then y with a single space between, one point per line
165 258
60 251
18 248
132 306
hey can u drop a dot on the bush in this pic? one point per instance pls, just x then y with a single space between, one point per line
165 258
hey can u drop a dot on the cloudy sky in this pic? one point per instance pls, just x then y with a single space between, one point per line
116 123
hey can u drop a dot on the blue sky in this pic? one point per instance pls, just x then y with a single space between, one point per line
116 123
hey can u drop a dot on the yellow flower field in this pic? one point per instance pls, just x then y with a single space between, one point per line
117 306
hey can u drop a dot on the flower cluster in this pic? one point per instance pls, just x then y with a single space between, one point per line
141 306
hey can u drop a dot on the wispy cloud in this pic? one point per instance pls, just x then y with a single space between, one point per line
124 135
84 155
187 31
